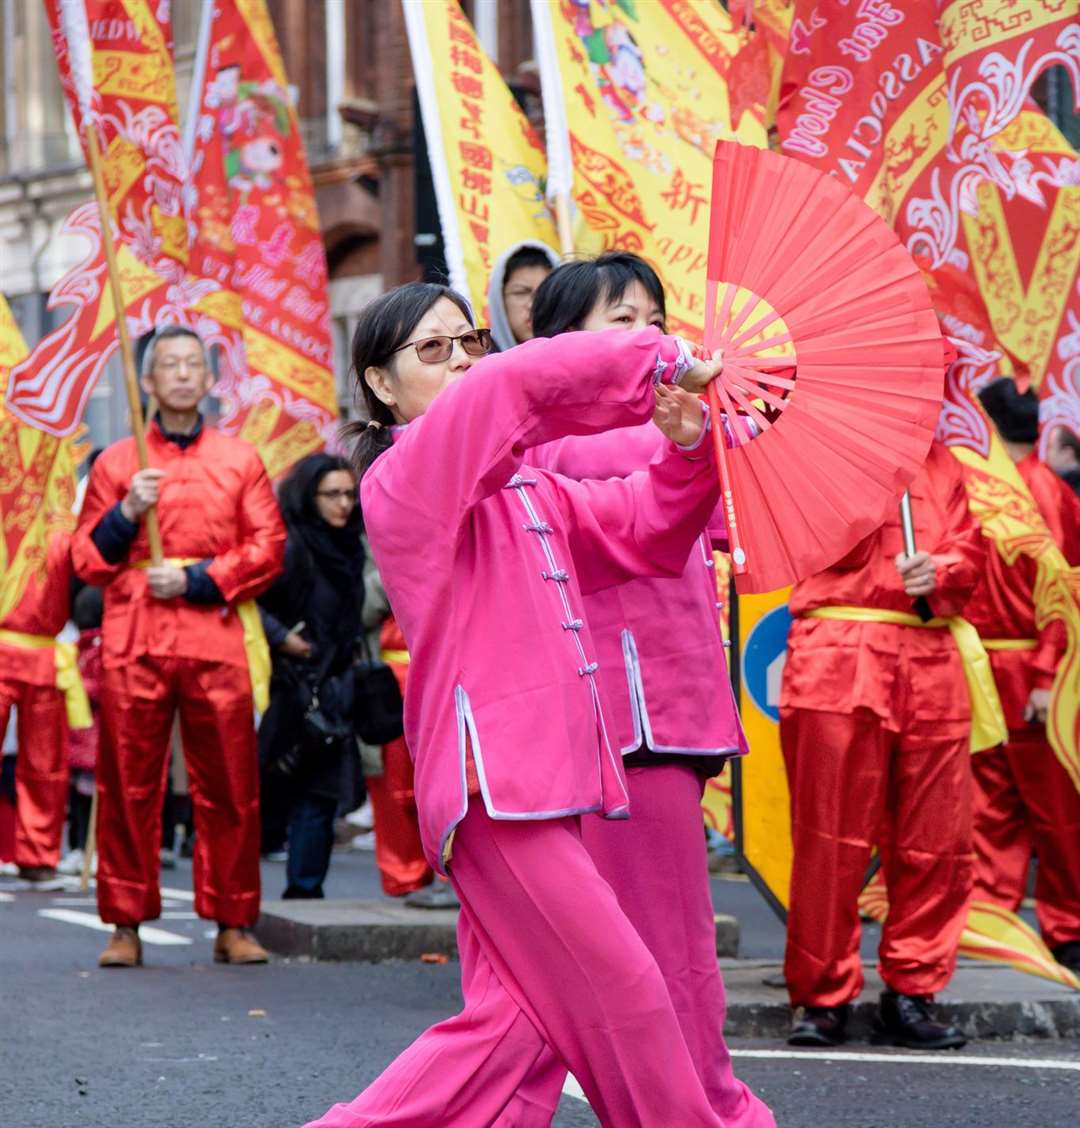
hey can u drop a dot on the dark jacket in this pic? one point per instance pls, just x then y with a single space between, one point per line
328 600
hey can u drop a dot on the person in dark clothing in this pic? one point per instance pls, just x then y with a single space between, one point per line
311 615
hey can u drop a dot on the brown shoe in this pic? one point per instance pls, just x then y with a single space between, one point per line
42 879
123 950
238 946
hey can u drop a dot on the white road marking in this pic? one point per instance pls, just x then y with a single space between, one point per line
572 1089
147 934
942 1057
177 894
4 897
177 914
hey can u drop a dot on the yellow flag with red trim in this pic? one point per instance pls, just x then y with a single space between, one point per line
37 482
487 162
636 95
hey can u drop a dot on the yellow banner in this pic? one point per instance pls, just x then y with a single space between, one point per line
37 483
1001 502
646 93
763 813
487 162
968 25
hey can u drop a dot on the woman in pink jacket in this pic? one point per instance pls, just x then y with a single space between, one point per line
663 668
486 562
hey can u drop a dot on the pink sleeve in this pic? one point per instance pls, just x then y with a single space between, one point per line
643 524
472 438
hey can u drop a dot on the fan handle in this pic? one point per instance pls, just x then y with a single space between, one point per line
738 553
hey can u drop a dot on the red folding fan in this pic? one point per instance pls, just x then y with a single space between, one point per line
831 347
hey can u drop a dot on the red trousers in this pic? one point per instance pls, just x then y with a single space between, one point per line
138 702
854 784
41 770
399 854
1024 799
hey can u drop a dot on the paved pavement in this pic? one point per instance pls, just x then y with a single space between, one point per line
183 1043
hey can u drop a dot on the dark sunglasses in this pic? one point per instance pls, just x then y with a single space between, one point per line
435 350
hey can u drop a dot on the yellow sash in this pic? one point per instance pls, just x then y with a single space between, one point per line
68 679
255 645
1010 643
401 657
987 717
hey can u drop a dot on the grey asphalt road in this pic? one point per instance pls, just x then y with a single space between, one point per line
182 1043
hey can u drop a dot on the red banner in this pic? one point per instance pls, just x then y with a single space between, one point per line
257 237
144 169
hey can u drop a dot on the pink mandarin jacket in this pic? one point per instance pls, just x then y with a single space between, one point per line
658 641
485 561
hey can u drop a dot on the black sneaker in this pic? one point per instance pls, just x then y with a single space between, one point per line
819 1026
1068 955
907 1020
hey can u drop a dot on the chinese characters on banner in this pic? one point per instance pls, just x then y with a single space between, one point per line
257 240
487 162
646 90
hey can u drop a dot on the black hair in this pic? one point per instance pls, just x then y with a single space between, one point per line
296 494
383 326
525 257
1015 414
572 290
88 607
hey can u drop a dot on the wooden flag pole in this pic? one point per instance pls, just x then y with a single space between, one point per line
90 845
127 357
564 225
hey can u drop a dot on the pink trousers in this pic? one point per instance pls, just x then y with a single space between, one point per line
657 865
547 958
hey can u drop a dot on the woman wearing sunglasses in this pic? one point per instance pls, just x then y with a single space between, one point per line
485 563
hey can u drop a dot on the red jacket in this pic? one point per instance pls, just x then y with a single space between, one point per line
215 502
1003 603
898 672
42 609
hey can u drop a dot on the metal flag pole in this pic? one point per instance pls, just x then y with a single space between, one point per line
907 525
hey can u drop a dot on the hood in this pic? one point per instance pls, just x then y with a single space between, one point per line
500 325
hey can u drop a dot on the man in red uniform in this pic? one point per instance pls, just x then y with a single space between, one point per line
28 680
1024 798
172 640
875 730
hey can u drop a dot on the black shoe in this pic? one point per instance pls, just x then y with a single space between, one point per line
907 1020
1068 955
819 1026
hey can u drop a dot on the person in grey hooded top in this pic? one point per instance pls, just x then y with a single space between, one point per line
515 277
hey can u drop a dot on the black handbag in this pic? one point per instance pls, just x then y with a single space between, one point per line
378 709
327 702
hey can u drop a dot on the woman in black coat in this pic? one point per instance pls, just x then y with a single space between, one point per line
312 620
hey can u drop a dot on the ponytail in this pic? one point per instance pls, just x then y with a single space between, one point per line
368 439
